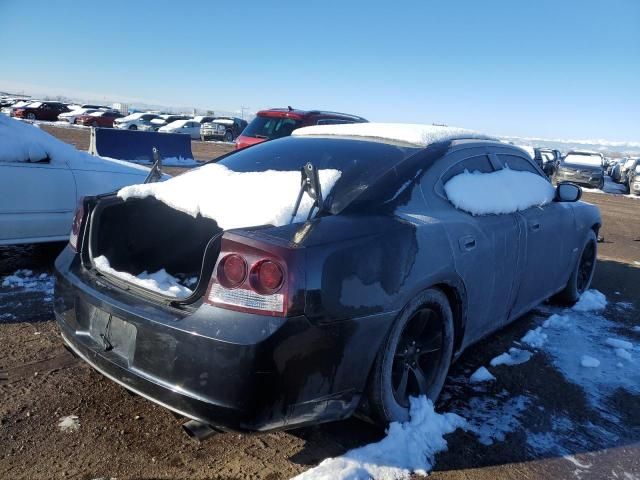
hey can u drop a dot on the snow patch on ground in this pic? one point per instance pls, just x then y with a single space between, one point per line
159 282
589 362
514 356
69 424
492 417
535 338
28 281
501 192
408 448
206 191
481 375
619 344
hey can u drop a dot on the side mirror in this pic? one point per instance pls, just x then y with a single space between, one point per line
568 192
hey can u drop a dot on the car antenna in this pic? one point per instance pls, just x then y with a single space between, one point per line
155 175
310 183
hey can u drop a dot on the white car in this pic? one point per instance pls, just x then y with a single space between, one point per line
135 121
42 179
164 120
74 114
189 127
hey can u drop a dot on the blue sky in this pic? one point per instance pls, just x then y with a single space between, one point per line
556 69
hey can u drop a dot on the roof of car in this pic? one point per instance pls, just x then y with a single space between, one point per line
402 133
304 113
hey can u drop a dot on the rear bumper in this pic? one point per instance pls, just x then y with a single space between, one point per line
233 370
592 181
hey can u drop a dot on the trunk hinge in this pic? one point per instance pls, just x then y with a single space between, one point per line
310 183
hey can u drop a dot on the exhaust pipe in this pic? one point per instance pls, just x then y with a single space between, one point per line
198 431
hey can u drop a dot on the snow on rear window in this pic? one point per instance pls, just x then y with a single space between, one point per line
501 192
234 199
414 134
580 159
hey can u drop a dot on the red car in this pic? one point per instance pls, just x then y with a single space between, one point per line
41 111
280 122
99 119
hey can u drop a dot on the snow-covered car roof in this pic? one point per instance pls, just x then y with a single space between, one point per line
175 124
406 133
23 142
224 121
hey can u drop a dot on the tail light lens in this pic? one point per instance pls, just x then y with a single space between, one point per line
78 216
252 278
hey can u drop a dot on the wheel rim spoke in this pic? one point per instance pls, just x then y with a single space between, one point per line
433 344
401 391
420 378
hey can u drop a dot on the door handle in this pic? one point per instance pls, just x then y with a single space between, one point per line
535 226
467 243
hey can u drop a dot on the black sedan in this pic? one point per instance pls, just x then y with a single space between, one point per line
361 306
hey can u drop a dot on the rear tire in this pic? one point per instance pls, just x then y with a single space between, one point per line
228 136
601 184
414 358
31 116
133 127
580 279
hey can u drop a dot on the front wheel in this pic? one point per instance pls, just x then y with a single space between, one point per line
228 136
580 279
133 127
31 116
414 359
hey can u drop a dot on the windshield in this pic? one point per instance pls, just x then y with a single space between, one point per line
583 159
271 127
360 162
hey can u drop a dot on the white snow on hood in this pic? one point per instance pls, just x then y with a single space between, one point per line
234 199
411 133
22 142
501 192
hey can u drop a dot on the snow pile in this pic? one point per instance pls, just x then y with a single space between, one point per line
159 282
590 301
534 338
589 362
408 448
69 424
481 375
504 191
514 356
408 133
206 191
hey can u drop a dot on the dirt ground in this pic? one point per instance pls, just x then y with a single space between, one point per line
127 437
79 137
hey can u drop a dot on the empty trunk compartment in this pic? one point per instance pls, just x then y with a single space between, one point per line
146 235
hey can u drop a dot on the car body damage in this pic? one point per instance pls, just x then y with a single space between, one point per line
229 356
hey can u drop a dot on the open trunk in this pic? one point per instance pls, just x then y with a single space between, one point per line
145 235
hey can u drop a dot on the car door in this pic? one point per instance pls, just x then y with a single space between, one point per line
547 239
37 200
486 250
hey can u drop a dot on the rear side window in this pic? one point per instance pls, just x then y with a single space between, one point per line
271 127
478 163
518 163
332 121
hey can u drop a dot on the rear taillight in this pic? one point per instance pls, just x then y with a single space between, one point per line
252 278
78 216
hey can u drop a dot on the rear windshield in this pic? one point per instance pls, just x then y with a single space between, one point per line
582 159
361 162
271 127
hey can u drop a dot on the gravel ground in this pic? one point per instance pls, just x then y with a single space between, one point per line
125 436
